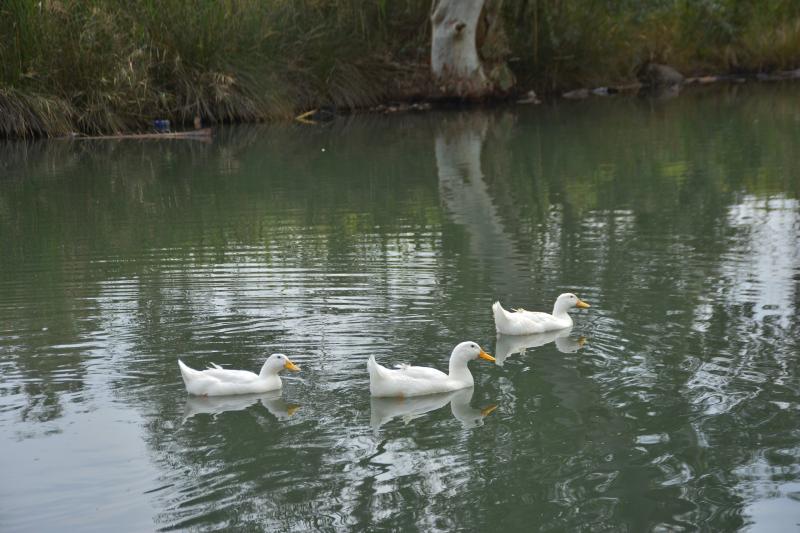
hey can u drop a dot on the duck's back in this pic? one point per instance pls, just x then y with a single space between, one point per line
231 376
221 382
406 380
526 322
422 373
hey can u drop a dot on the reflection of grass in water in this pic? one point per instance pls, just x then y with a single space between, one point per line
640 155
600 156
104 65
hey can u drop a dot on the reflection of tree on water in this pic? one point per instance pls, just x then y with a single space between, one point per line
459 143
742 384
45 353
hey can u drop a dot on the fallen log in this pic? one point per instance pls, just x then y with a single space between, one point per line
202 134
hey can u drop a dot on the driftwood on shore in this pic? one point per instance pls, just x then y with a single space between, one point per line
201 134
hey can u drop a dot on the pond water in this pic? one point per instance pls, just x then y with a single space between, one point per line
672 405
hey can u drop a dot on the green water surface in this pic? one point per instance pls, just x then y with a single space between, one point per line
672 405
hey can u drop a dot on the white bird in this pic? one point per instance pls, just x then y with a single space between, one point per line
218 381
406 380
522 322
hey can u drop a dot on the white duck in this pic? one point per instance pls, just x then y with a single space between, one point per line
406 380
521 322
218 381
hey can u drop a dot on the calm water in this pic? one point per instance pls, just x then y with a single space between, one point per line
672 405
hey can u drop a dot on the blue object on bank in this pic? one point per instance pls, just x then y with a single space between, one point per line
161 125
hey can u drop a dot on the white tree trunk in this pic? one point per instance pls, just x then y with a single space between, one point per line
455 64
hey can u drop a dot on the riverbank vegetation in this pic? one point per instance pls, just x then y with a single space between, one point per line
102 66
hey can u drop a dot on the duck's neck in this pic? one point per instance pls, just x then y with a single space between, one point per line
460 371
267 372
560 310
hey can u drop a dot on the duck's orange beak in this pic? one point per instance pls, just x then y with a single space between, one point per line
581 304
484 355
288 365
486 411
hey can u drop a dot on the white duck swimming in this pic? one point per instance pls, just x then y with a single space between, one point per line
521 322
406 380
218 381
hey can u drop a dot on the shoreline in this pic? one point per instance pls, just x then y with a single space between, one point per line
105 67
420 101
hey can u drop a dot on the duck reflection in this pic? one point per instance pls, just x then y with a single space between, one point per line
508 345
214 405
385 409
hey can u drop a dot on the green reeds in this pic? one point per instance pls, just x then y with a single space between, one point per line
114 65
573 43
107 66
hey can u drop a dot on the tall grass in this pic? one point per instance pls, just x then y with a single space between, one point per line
563 43
114 65
101 66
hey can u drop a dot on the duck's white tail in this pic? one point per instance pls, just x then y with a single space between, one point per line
502 323
373 367
186 372
375 372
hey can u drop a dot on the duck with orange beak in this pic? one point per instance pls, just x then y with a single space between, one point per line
522 322
406 380
218 381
